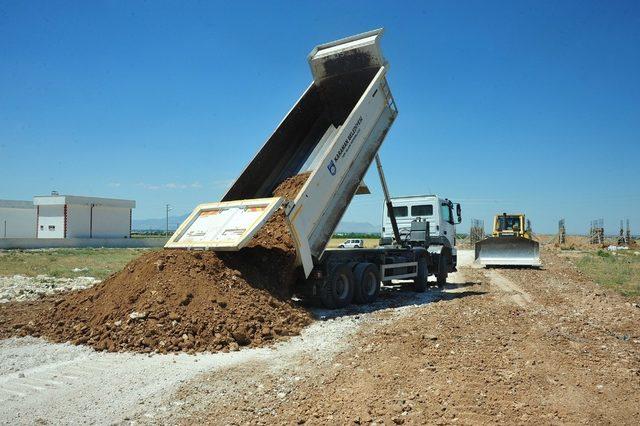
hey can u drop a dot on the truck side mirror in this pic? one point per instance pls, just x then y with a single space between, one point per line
459 212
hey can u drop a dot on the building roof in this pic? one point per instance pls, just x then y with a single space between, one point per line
16 204
55 200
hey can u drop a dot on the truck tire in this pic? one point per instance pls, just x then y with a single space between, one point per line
367 279
442 279
441 276
337 291
420 282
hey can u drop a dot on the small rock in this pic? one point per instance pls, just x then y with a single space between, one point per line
137 315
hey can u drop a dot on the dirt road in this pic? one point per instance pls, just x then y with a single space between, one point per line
496 346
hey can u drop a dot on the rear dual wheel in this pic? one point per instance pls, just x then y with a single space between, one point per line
367 286
357 282
337 291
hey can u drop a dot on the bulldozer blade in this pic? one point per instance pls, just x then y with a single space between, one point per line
508 251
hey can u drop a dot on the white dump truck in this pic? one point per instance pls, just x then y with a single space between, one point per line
334 132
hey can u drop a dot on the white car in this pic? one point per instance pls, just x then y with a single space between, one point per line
352 244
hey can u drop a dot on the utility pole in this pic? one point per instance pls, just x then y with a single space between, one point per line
167 209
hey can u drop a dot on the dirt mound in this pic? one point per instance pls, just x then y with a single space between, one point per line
178 300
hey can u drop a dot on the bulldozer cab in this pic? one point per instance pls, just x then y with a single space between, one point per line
509 225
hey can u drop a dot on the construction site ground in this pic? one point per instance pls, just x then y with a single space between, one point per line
496 346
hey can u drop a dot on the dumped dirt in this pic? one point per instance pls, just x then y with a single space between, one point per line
178 300
541 347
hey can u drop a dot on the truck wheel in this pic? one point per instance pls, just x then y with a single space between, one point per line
337 291
441 276
420 282
367 278
442 279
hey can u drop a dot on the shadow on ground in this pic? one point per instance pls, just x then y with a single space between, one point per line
398 296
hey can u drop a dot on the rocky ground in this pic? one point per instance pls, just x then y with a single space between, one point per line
497 346
18 288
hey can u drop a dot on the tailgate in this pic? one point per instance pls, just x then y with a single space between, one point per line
224 226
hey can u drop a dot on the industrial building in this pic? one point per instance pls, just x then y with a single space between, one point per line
65 217
71 216
17 219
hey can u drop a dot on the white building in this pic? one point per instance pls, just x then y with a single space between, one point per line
17 219
70 216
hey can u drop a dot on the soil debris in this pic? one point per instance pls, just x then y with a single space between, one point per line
179 300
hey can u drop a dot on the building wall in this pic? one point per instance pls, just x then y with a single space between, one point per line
51 222
38 243
17 222
78 221
111 222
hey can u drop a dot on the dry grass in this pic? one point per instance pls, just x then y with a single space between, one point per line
98 263
619 270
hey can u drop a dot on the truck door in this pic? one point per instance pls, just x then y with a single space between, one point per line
447 228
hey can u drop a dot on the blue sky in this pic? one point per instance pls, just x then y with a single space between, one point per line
504 106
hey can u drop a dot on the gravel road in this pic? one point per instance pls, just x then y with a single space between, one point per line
62 383
497 346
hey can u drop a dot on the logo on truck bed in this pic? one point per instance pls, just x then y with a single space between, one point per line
345 147
332 168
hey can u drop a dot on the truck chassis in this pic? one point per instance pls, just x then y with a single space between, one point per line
345 276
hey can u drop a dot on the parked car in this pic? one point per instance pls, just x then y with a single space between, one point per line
352 244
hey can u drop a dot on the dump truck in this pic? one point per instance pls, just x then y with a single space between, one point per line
333 132
511 243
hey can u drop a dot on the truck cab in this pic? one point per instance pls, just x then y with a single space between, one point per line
441 217
439 213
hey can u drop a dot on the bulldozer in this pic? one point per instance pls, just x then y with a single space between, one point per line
511 243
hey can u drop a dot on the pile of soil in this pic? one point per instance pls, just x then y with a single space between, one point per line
178 300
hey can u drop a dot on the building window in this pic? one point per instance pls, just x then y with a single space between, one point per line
42 227
52 227
424 210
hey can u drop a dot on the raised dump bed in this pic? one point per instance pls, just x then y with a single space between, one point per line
333 132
